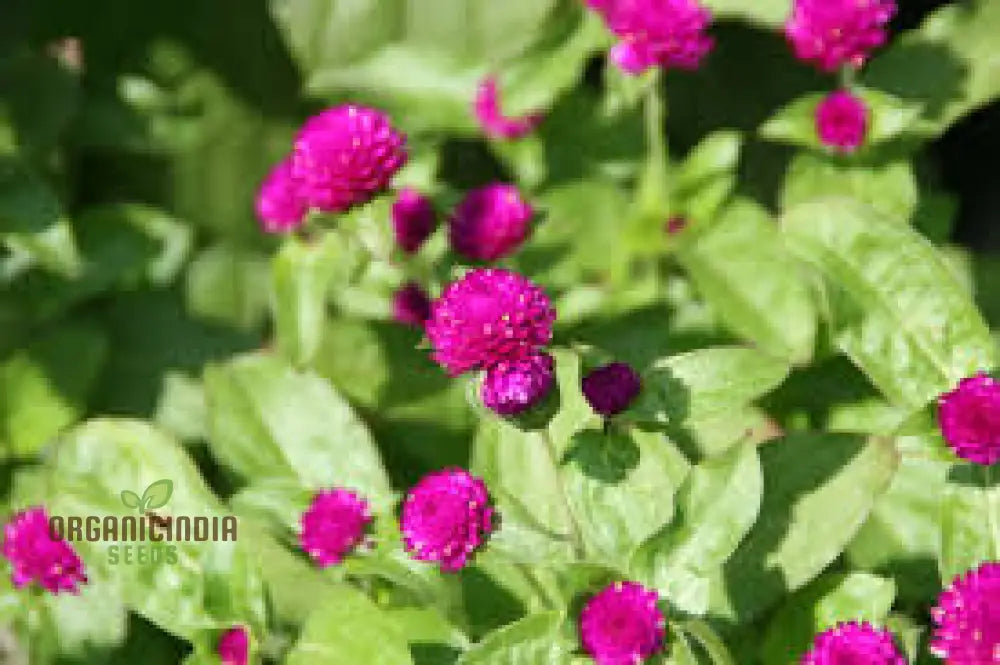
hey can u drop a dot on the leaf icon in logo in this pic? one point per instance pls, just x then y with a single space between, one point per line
130 499
157 494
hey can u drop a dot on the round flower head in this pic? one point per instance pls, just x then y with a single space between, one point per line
854 644
233 646
664 33
611 388
36 556
675 225
488 316
344 156
967 618
411 306
333 525
491 118
279 205
446 517
490 222
622 625
841 121
970 419
833 33
513 386
413 219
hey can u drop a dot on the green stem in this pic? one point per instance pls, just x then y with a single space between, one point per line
653 193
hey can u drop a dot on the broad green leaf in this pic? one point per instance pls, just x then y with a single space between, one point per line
716 507
269 420
818 491
348 629
92 619
709 640
970 520
822 605
539 639
227 284
896 309
759 294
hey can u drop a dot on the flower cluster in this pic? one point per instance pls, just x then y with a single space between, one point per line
966 631
413 219
490 222
970 419
834 33
841 121
333 525
854 643
611 388
622 625
35 556
234 646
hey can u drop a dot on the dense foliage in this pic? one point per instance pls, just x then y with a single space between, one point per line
697 338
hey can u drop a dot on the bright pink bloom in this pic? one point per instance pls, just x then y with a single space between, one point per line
488 316
333 525
345 155
967 618
854 644
446 516
676 224
490 222
234 646
411 306
611 388
36 556
492 120
622 625
970 419
833 33
413 219
841 121
664 33
511 387
279 205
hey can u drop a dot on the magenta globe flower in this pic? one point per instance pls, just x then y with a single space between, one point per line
333 525
514 386
834 33
488 316
279 206
622 625
966 619
675 225
494 123
413 219
234 646
656 33
411 306
854 644
345 155
970 419
490 222
36 556
446 517
841 121
610 389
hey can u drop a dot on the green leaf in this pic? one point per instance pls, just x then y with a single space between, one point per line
765 12
759 294
348 629
228 284
710 641
157 494
895 307
268 420
970 521
717 505
535 640
130 499
822 605
818 491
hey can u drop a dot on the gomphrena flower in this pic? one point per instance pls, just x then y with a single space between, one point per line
513 386
833 33
344 156
675 225
413 219
490 222
854 644
970 419
446 516
489 113
333 525
411 306
611 388
841 121
664 33
36 556
622 625
234 646
279 205
488 316
966 630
